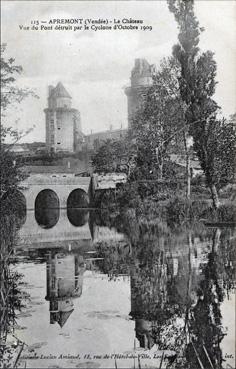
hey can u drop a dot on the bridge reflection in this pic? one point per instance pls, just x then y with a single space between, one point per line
78 217
74 227
67 256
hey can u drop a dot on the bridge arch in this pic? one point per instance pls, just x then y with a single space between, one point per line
47 208
78 198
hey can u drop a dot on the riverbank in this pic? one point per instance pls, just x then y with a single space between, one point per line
168 204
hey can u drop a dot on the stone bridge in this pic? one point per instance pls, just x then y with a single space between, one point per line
63 185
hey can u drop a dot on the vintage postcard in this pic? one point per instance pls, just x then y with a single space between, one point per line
117 202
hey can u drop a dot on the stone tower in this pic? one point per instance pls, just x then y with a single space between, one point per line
141 80
63 126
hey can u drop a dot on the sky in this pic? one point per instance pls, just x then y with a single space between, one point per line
95 66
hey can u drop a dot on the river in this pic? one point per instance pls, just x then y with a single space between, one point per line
97 294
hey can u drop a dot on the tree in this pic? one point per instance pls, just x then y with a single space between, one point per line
197 87
115 156
226 151
166 82
11 94
10 176
157 124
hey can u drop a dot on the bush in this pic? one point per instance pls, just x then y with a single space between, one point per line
128 196
225 213
180 210
177 210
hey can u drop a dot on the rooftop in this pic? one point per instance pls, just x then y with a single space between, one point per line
59 91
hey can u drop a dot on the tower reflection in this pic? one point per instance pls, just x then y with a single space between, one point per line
64 284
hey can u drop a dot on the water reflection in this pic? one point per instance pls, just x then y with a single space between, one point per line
78 217
162 291
178 285
47 218
64 283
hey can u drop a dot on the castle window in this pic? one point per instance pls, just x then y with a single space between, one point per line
58 143
59 128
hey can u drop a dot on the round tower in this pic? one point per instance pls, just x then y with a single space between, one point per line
63 124
141 80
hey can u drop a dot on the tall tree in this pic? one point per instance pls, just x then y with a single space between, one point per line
11 95
197 87
158 123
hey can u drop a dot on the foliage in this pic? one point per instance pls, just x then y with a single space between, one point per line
11 94
12 298
116 259
10 176
155 126
144 151
197 87
226 153
114 156
224 213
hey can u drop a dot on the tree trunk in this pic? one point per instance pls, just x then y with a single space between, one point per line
188 172
128 170
161 169
188 176
189 284
216 240
214 196
159 158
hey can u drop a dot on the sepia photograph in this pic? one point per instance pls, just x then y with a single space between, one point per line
118 185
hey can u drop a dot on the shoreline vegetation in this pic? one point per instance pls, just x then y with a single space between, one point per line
130 201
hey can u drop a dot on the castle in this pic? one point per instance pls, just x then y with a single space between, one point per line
63 124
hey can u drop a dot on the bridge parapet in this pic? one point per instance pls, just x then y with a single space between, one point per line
56 179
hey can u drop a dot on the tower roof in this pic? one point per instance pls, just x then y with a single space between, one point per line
64 315
59 91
